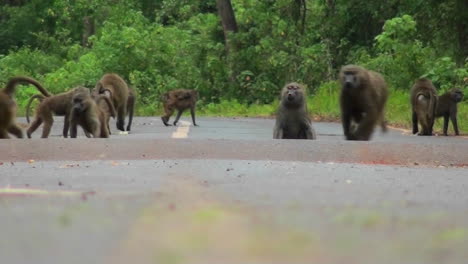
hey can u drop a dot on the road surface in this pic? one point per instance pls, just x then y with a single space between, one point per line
225 192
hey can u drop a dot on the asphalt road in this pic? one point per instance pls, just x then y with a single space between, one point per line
225 192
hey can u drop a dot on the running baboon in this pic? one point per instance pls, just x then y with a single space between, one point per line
91 114
8 106
59 104
362 100
180 99
292 120
423 104
447 107
119 93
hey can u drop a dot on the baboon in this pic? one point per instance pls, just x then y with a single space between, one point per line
447 107
59 104
292 120
180 99
130 104
119 93
362 100
423 103
8 106
91 113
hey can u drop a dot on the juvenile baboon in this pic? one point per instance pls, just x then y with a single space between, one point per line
292 120
423 103
49 105
180 99
119 93
363 97
8 106
447 107
92 114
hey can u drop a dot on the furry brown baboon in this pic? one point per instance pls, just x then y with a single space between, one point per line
92 114
447 107
423 96
8 106
59 104
292 119
363 97
180 99
119 93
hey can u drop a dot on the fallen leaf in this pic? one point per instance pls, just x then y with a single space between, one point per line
31 161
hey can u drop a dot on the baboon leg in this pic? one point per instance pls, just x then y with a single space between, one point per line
121 117
87 134
446 124
35 124
16 130
104 131
453 118
366 127
165 118
73 129
179 113
4 134
130 108
278 133
66 126
415 123
192 113
108 128
309 132
346 122
48 122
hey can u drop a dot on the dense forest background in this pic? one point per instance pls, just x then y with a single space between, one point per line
237 58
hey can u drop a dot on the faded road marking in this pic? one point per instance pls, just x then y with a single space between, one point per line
25 191
182 130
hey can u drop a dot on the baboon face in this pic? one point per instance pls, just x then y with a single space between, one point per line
351 80
79 102
293 94
457 95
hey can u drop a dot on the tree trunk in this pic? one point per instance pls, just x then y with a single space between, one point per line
228 20
88 30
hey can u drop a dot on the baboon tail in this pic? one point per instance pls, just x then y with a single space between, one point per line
11 85
109 104
28 106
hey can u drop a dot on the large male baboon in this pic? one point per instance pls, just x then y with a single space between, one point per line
363 97
8 106
92 114
180 99
447 107
119 93
59 104
292 119
423 104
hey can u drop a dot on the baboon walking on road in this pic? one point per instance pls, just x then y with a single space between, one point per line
119 93
8 106
59 104
423 103
363 97
180 99
292 119
447 107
